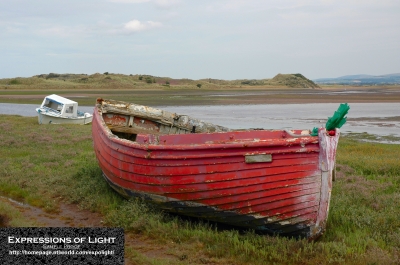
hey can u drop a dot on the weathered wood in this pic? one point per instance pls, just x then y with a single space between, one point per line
163 117
130 112
132 130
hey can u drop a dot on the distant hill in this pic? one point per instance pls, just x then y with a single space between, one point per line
280 80
389 79
293 80
114 81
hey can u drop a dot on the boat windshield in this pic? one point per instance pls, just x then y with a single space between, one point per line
51 104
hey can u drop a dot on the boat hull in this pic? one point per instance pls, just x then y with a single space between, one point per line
43 118
269 181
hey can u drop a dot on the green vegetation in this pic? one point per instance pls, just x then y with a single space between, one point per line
52 75
15 82
150 80
373 160
253 82
120 81
293 80
43 165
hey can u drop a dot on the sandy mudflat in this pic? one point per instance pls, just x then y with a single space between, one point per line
188 97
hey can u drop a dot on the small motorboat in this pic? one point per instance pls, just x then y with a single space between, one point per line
59 110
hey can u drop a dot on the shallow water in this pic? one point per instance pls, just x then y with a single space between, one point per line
374 118
29 110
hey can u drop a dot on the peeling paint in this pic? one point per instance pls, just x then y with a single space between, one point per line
191 167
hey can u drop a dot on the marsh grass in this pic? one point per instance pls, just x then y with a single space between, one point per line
371 160
43 165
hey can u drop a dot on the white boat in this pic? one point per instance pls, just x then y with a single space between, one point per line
59 110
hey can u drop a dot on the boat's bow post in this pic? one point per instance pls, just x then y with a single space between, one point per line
328 141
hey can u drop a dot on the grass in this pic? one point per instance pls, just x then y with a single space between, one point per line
43 165
374 160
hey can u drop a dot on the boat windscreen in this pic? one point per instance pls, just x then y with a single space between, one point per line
53 105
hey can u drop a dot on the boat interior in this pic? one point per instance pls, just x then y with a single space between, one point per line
126 120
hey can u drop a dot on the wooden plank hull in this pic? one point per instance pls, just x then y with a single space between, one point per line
267 180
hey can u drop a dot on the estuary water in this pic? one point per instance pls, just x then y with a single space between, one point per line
382 119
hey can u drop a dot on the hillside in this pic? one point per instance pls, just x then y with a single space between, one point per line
390 79
293 80
280 80
120 81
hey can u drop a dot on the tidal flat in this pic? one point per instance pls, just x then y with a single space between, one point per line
223 96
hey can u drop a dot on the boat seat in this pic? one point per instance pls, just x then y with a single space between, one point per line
132 130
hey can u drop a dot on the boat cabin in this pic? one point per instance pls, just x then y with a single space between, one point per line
65 107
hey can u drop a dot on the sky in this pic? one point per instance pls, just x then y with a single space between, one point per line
195 39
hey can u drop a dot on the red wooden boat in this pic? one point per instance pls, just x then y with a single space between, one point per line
276 181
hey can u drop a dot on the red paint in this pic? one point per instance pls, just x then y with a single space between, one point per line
209 169
115 119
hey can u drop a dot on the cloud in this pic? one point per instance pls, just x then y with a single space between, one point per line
137 26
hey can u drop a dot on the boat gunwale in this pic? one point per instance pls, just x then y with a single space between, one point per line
149 146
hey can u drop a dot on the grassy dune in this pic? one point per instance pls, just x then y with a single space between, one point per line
146 89
44 165
110 80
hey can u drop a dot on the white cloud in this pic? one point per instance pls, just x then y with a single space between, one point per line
137 26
